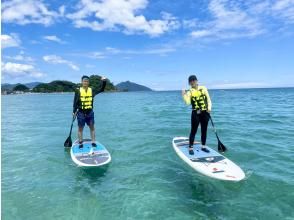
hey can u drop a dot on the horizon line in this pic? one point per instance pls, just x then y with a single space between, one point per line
170 90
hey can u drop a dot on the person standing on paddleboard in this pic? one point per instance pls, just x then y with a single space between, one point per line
198 97
83 107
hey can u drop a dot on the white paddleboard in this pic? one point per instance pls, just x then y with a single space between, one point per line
211 164
89 156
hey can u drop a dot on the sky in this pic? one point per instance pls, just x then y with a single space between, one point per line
157 43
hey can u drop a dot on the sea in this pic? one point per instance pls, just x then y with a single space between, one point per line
146 179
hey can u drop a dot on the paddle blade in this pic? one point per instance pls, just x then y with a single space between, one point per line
221 147
68 142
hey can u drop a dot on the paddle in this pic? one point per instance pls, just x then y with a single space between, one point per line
220 146
68 141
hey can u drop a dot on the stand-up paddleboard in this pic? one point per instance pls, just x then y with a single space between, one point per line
211 164
89 156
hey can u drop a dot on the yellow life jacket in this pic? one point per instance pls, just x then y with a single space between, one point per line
198 99
86 98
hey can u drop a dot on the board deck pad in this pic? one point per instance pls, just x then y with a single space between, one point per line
88 155
212 164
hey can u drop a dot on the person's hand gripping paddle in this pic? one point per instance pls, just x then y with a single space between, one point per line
68 141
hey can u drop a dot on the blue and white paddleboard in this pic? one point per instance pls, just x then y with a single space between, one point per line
211 164
89 156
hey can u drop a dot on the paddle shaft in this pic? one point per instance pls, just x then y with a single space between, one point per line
71 127
73 120
221 147
214 129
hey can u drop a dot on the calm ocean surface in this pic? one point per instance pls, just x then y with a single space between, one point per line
146 179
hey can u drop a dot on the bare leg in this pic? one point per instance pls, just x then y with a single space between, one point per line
92 131
80 134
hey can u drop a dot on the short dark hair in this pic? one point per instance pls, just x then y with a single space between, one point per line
85 77
192 78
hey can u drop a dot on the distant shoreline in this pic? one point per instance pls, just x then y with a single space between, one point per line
62 86
212 89
58 93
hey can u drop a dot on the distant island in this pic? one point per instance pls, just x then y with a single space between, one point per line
130 87
59 86
8 86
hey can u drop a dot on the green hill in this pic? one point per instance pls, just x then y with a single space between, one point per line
95 83
21 88
8 86
55 86
67 86
130 86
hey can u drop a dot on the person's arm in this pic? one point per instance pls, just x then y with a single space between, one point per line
75 102
209 105
186 97
101 89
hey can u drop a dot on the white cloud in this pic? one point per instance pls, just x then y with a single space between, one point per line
237 19
121 15
201 33
284 9
97 55
110 51
191 23
19 70
152 51
230 17
11 40
283 4
54 59
20 57
29 11
229 21
61 10
53 38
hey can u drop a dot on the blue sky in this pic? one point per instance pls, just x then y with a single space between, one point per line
226 43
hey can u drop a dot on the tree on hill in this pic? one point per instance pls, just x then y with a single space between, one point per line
96 83
21 88
130 86
55 86
66 86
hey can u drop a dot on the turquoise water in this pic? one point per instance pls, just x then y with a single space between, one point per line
146 179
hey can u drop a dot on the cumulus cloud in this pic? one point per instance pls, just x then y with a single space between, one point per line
28 12
54 59
11 40
54 39
15 70
226 18
121 15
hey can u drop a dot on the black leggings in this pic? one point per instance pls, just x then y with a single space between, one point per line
203 119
